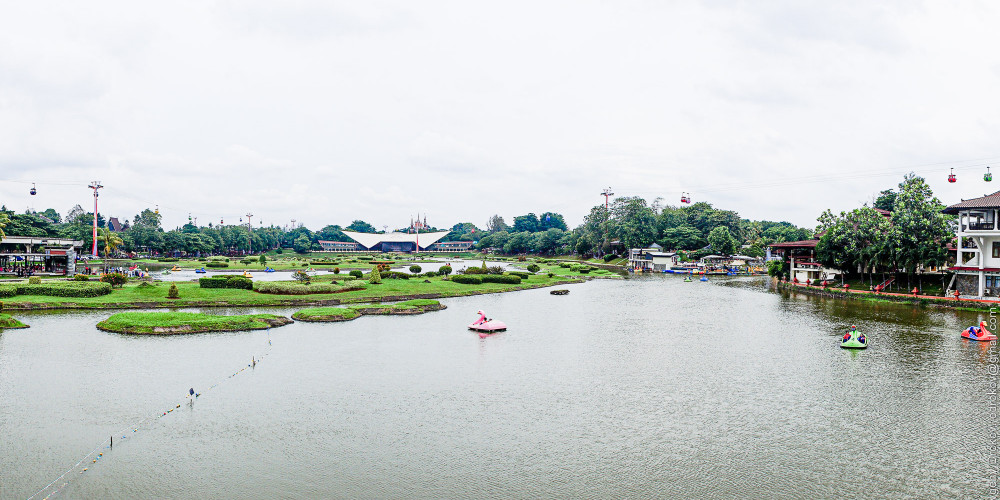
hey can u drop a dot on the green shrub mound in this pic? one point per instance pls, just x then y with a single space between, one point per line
35 280
324 263
288 288
216 263
165 259
522 274
81 277
237 282
62 289
415 269
8 291
394 275
467 279
445 270
173 293
566 265
533 268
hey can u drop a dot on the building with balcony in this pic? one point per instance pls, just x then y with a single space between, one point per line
652 259
977 246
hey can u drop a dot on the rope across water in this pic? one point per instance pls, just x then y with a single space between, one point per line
54 487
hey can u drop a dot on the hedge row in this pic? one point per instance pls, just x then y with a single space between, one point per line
216 263
286 288
237 282
523 275
486 278
58 289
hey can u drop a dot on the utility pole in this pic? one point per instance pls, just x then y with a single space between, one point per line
95 186
606 193
250 231
293 225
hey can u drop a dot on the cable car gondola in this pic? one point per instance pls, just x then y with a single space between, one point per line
988 177
685 198
951 176
33 190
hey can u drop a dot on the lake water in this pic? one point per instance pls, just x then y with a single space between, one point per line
640 388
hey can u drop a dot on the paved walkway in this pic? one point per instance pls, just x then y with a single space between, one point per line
963 298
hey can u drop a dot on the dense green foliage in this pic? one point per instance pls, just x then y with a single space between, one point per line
115 279
62 288
467 279
173 292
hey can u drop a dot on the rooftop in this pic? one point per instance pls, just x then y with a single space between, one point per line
795 244
986 201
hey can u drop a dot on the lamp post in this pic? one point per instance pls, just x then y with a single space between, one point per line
95 186
250 232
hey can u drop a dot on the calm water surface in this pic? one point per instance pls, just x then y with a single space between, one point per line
640 388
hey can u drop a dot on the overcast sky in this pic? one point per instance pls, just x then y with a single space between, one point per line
327 112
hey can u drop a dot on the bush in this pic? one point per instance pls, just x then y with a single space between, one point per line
35 280
246 261
302 277
445 270
522 275
336 270
216 263
374 277
521 258
467 279
173 293
585 270
81 277
533 268
356 273
165 259
551 275
494 270
365 257
415 269
7 291
430 274
774 268
286 288
262 260
202 259
475 270
66 289
394 275
610 257
305 264
502 278
115 279
237 282
566 265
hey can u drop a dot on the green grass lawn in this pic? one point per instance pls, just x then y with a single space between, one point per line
186 322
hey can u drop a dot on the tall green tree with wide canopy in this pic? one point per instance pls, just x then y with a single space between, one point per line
921 231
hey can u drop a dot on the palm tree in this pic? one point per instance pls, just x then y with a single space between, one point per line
111 241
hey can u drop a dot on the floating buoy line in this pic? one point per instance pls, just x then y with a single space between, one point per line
61 482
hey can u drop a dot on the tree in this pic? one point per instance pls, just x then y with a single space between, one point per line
110 240
262 260
374 277
302 244
920 229
550 220
886 200
496 224
633 222
526 223
722 242
549 241
360 226
4 219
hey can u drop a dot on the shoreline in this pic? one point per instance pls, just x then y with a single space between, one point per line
866 295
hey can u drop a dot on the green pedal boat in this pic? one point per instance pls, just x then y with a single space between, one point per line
854 340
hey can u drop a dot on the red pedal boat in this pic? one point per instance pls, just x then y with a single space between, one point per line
979 333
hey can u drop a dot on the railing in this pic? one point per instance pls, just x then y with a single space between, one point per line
981 226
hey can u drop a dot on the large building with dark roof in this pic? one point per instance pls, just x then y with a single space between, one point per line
977 249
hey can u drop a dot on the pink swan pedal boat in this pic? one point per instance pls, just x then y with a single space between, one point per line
487 326
979 333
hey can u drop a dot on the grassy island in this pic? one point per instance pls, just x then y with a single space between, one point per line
170 323
7 321
415 306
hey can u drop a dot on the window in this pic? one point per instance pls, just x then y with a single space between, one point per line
996 249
